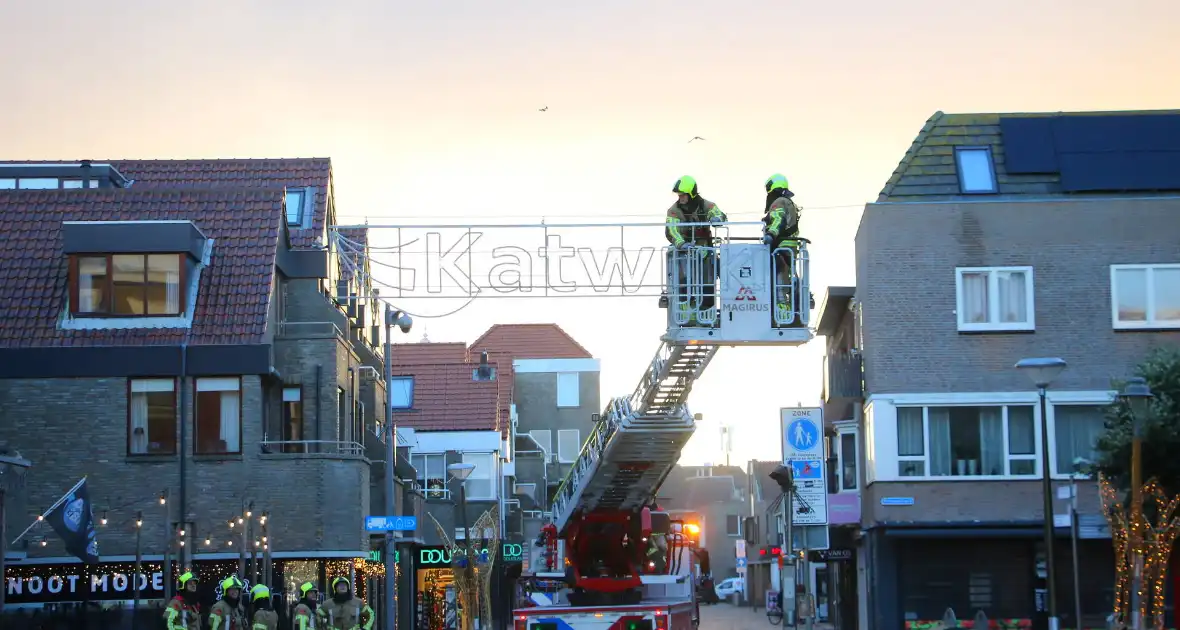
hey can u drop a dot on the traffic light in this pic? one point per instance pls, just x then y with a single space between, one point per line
783 476
770 551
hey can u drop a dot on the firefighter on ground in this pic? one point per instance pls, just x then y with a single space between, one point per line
781 230
227 614
183 613
305 611
691 207
345 611
265 618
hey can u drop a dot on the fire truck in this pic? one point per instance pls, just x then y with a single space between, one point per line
609 558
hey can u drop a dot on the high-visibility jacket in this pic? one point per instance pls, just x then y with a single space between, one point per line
304 618
224 616
781 221
352 614
265 620
699 235
181 615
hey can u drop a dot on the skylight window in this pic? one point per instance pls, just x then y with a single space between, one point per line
977 175
295 202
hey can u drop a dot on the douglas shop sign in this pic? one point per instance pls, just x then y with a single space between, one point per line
441 556
52 583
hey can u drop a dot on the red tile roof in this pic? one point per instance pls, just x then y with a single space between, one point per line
234 294
446 397
531 341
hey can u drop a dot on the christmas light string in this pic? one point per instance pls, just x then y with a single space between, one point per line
1139 541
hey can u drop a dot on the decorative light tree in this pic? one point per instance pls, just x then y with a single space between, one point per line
1142 546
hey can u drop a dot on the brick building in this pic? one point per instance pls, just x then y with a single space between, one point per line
998 237
143 301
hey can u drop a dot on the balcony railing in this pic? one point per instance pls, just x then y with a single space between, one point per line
308 330
843 377
313 447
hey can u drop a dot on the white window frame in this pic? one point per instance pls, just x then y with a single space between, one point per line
993 186
840 433
572 389
1065 474
1035 456
561 456
739 525
993 304
423 480
486 469
1151 322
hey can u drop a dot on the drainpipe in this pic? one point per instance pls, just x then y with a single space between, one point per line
182 508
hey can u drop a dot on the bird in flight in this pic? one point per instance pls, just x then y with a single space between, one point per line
544 109
695 138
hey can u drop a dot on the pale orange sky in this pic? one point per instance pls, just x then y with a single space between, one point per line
429 110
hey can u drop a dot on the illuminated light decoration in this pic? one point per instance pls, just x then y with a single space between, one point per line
1137 541
34 583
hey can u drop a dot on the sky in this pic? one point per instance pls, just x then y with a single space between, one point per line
429 113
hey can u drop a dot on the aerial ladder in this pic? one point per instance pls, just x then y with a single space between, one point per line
724 295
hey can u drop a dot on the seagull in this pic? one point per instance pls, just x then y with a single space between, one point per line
694 138
544 109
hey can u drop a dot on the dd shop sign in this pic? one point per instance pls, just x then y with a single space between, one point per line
53 583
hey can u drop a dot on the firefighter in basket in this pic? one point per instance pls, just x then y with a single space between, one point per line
691 207
780 231
265 618
183 612
227 614
345 611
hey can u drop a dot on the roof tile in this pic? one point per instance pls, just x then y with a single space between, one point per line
234 294
531 341
446 396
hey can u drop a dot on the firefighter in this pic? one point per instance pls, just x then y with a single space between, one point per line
265 618
779 231
345 611
183 612
691 207
227 614
305 612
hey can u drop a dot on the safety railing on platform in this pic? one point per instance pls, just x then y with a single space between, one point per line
692 285
318 447
616 412
792 290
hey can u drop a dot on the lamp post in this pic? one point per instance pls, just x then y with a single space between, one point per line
12 475
460 472
1137 396
1042 372
1079 464
405 323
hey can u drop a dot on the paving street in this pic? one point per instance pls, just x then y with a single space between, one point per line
730 617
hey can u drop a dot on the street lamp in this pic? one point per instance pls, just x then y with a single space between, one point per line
460 472
1137 396
12 475
403 321
1042 372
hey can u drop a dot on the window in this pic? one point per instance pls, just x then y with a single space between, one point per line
567 390
1076 429
341 414
37 183
1145 296
294 203
995 298
991 441
77 183
218 416
127 285
733 525
569 444
401 392
293 420
544 437
488 374
480 485
151 417
848 474
976 172
432 474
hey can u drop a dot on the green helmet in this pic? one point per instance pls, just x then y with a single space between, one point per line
685 185
185 578
341 580
259 592
307 587
231 582
776 182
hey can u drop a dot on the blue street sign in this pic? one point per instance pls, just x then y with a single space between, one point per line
807 469
391 523
741 563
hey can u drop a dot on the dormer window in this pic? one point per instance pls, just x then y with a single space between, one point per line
127 285
295 202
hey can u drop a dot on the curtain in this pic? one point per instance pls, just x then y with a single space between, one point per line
1012 296
940 441
230 422
172 292
991 441
975 306
909 432
139 423
1077 429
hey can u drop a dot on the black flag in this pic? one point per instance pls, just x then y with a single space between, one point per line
73 519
